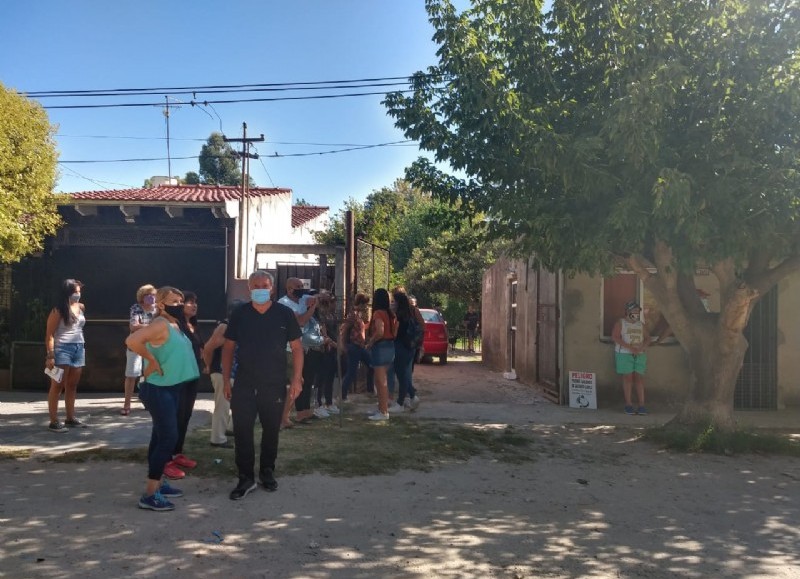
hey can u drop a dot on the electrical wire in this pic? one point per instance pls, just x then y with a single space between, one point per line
226 101
204 88
405 143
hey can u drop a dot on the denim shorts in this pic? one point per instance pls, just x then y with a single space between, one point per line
73 354
382 353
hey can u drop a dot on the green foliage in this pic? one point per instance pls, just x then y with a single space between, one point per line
335 234
191 178
598 128
219 164
452 264
711 440
28 160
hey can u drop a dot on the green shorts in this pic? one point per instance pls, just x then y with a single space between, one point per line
629 363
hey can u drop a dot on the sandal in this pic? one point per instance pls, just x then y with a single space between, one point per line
125 411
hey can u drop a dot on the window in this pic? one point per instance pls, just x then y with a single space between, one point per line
620 289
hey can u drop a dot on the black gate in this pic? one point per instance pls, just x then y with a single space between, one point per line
757 384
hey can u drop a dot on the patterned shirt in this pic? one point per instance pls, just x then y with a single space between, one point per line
140 317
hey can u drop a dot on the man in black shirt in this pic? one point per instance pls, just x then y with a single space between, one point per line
471 321
259 331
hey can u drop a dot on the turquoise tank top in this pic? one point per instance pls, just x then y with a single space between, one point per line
176 358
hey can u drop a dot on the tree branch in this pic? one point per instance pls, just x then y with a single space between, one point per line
764 282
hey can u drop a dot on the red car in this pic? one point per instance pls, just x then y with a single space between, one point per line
435 341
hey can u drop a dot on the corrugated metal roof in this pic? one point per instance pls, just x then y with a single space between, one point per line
304 213
171 194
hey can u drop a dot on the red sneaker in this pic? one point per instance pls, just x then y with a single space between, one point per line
173 472
184 462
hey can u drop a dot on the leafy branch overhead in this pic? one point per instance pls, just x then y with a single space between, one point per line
657 135
28 159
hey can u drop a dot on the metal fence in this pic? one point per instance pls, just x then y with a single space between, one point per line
372 267
460 343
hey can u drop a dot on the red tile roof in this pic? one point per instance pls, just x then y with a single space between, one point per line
305 213
173 194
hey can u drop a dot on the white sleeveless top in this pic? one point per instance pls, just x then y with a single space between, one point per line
72 334
632 333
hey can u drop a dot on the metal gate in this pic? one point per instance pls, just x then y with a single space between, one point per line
547 333
373 267
757 384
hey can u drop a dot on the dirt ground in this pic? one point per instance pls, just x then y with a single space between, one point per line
592 502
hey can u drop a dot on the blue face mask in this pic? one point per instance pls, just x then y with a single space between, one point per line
75 298
259 296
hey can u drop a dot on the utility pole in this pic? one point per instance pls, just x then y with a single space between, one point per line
244 200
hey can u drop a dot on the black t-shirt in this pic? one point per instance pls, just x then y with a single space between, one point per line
261 342
471 320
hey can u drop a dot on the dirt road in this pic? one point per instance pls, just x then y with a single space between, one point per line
591 503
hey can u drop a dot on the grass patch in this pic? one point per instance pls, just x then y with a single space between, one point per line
357 448
102 454
711 440
10 453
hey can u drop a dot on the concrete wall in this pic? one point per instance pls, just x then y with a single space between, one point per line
585 350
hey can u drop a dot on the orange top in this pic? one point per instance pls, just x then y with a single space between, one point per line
389 326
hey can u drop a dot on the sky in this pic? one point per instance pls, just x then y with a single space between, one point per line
52 45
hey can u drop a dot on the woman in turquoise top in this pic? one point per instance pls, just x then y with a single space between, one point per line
169 362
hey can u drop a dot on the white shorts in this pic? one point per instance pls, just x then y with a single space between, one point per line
133 364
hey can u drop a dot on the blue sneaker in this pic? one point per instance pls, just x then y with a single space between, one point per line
629 410
155 502
169 492
642 410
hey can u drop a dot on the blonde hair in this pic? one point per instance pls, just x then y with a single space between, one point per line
164 291
143 291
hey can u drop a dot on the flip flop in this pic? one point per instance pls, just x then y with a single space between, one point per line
287 426
125 411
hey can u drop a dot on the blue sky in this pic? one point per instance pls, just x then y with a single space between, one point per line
48 45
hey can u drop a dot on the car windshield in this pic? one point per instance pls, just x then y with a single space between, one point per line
431 316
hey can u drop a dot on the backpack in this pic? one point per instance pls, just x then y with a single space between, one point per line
412 338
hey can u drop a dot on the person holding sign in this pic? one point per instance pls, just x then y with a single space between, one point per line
630 341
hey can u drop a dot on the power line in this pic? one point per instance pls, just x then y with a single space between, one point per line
405 143
227 101
216 91
203 88
203 140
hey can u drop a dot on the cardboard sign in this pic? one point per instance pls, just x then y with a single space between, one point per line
583 390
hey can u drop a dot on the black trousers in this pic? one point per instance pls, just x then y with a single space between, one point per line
186 400
266 402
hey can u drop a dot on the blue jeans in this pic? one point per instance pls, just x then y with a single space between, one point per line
403 359
162 404
355 355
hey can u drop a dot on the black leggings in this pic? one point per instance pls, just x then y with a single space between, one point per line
186 400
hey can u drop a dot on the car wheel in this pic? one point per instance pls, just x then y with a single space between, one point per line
443 359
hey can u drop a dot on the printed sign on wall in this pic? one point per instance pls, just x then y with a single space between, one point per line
583 390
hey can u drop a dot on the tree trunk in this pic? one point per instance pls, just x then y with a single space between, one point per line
715 358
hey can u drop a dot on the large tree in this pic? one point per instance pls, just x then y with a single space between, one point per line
28 160
660 134
219 164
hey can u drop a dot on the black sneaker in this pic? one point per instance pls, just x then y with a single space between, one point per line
267 479
242 489
74 423
225 444
57 427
